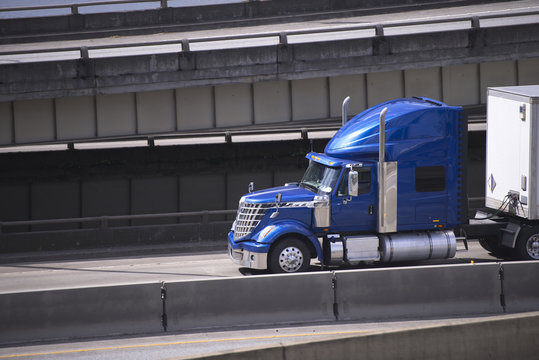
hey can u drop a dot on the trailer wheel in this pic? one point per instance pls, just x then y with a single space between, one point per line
289 255
527 246
491 244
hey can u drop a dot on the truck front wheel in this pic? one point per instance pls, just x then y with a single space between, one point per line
527 246
289 255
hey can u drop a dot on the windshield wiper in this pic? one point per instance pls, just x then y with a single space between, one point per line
309 186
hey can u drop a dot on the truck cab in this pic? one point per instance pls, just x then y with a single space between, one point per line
388 187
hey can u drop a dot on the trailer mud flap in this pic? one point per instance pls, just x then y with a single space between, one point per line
510 234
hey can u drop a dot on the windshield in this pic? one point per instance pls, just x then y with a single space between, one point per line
320 178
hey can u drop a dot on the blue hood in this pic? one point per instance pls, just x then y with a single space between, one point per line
289 193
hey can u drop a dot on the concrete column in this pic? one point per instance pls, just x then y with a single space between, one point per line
501 73
528 71
154 195
105 197
116 115
233 105
155 112
15 201
423 82
195 108
6 123
342 86
461 84
34 120
310 99
202 192
76 117
56 200
384 86
272 102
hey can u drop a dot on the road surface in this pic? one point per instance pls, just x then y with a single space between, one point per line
50 275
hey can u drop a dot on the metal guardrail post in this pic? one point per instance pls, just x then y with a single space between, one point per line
84 52
283 38
185 45
475 22
104 222
74 10
205 217
379 30
164 4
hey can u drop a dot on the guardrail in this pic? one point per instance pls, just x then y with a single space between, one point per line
104 222
75 7
281 38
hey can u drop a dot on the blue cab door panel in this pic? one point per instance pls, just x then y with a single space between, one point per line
354 213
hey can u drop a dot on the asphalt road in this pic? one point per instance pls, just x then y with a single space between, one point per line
173 345
49 275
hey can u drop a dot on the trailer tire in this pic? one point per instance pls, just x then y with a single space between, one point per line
289 255
491 244
527 245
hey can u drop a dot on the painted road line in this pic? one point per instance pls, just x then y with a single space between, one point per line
269 337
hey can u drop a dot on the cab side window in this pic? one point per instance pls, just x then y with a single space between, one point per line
364 175
430 178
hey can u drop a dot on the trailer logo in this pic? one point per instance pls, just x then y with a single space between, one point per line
491 183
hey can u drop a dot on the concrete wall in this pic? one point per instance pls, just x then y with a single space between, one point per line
233 105
40 200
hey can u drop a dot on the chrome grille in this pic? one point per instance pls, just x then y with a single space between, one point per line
249 216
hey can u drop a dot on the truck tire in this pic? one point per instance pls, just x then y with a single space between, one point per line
527 245
289 255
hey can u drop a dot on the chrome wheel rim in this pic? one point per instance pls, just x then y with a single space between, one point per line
532 246
291 259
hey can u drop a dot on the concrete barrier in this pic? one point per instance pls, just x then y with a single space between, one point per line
502 337
250 301
152 72
521 285
418 291
77 313
181 17
391 293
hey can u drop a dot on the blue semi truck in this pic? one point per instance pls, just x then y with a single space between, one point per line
371 198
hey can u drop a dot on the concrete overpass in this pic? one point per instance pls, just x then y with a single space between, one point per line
177 82
201 86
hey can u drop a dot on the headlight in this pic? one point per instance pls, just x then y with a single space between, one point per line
233 228
265 232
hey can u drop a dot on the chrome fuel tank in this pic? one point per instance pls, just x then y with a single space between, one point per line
417 246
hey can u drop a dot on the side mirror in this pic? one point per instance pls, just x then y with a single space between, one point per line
278 199
353 183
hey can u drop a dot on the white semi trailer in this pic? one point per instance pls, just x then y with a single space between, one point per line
512 165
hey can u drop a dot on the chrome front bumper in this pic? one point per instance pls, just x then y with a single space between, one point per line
248 259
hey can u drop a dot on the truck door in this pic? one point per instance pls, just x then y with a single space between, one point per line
354 213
